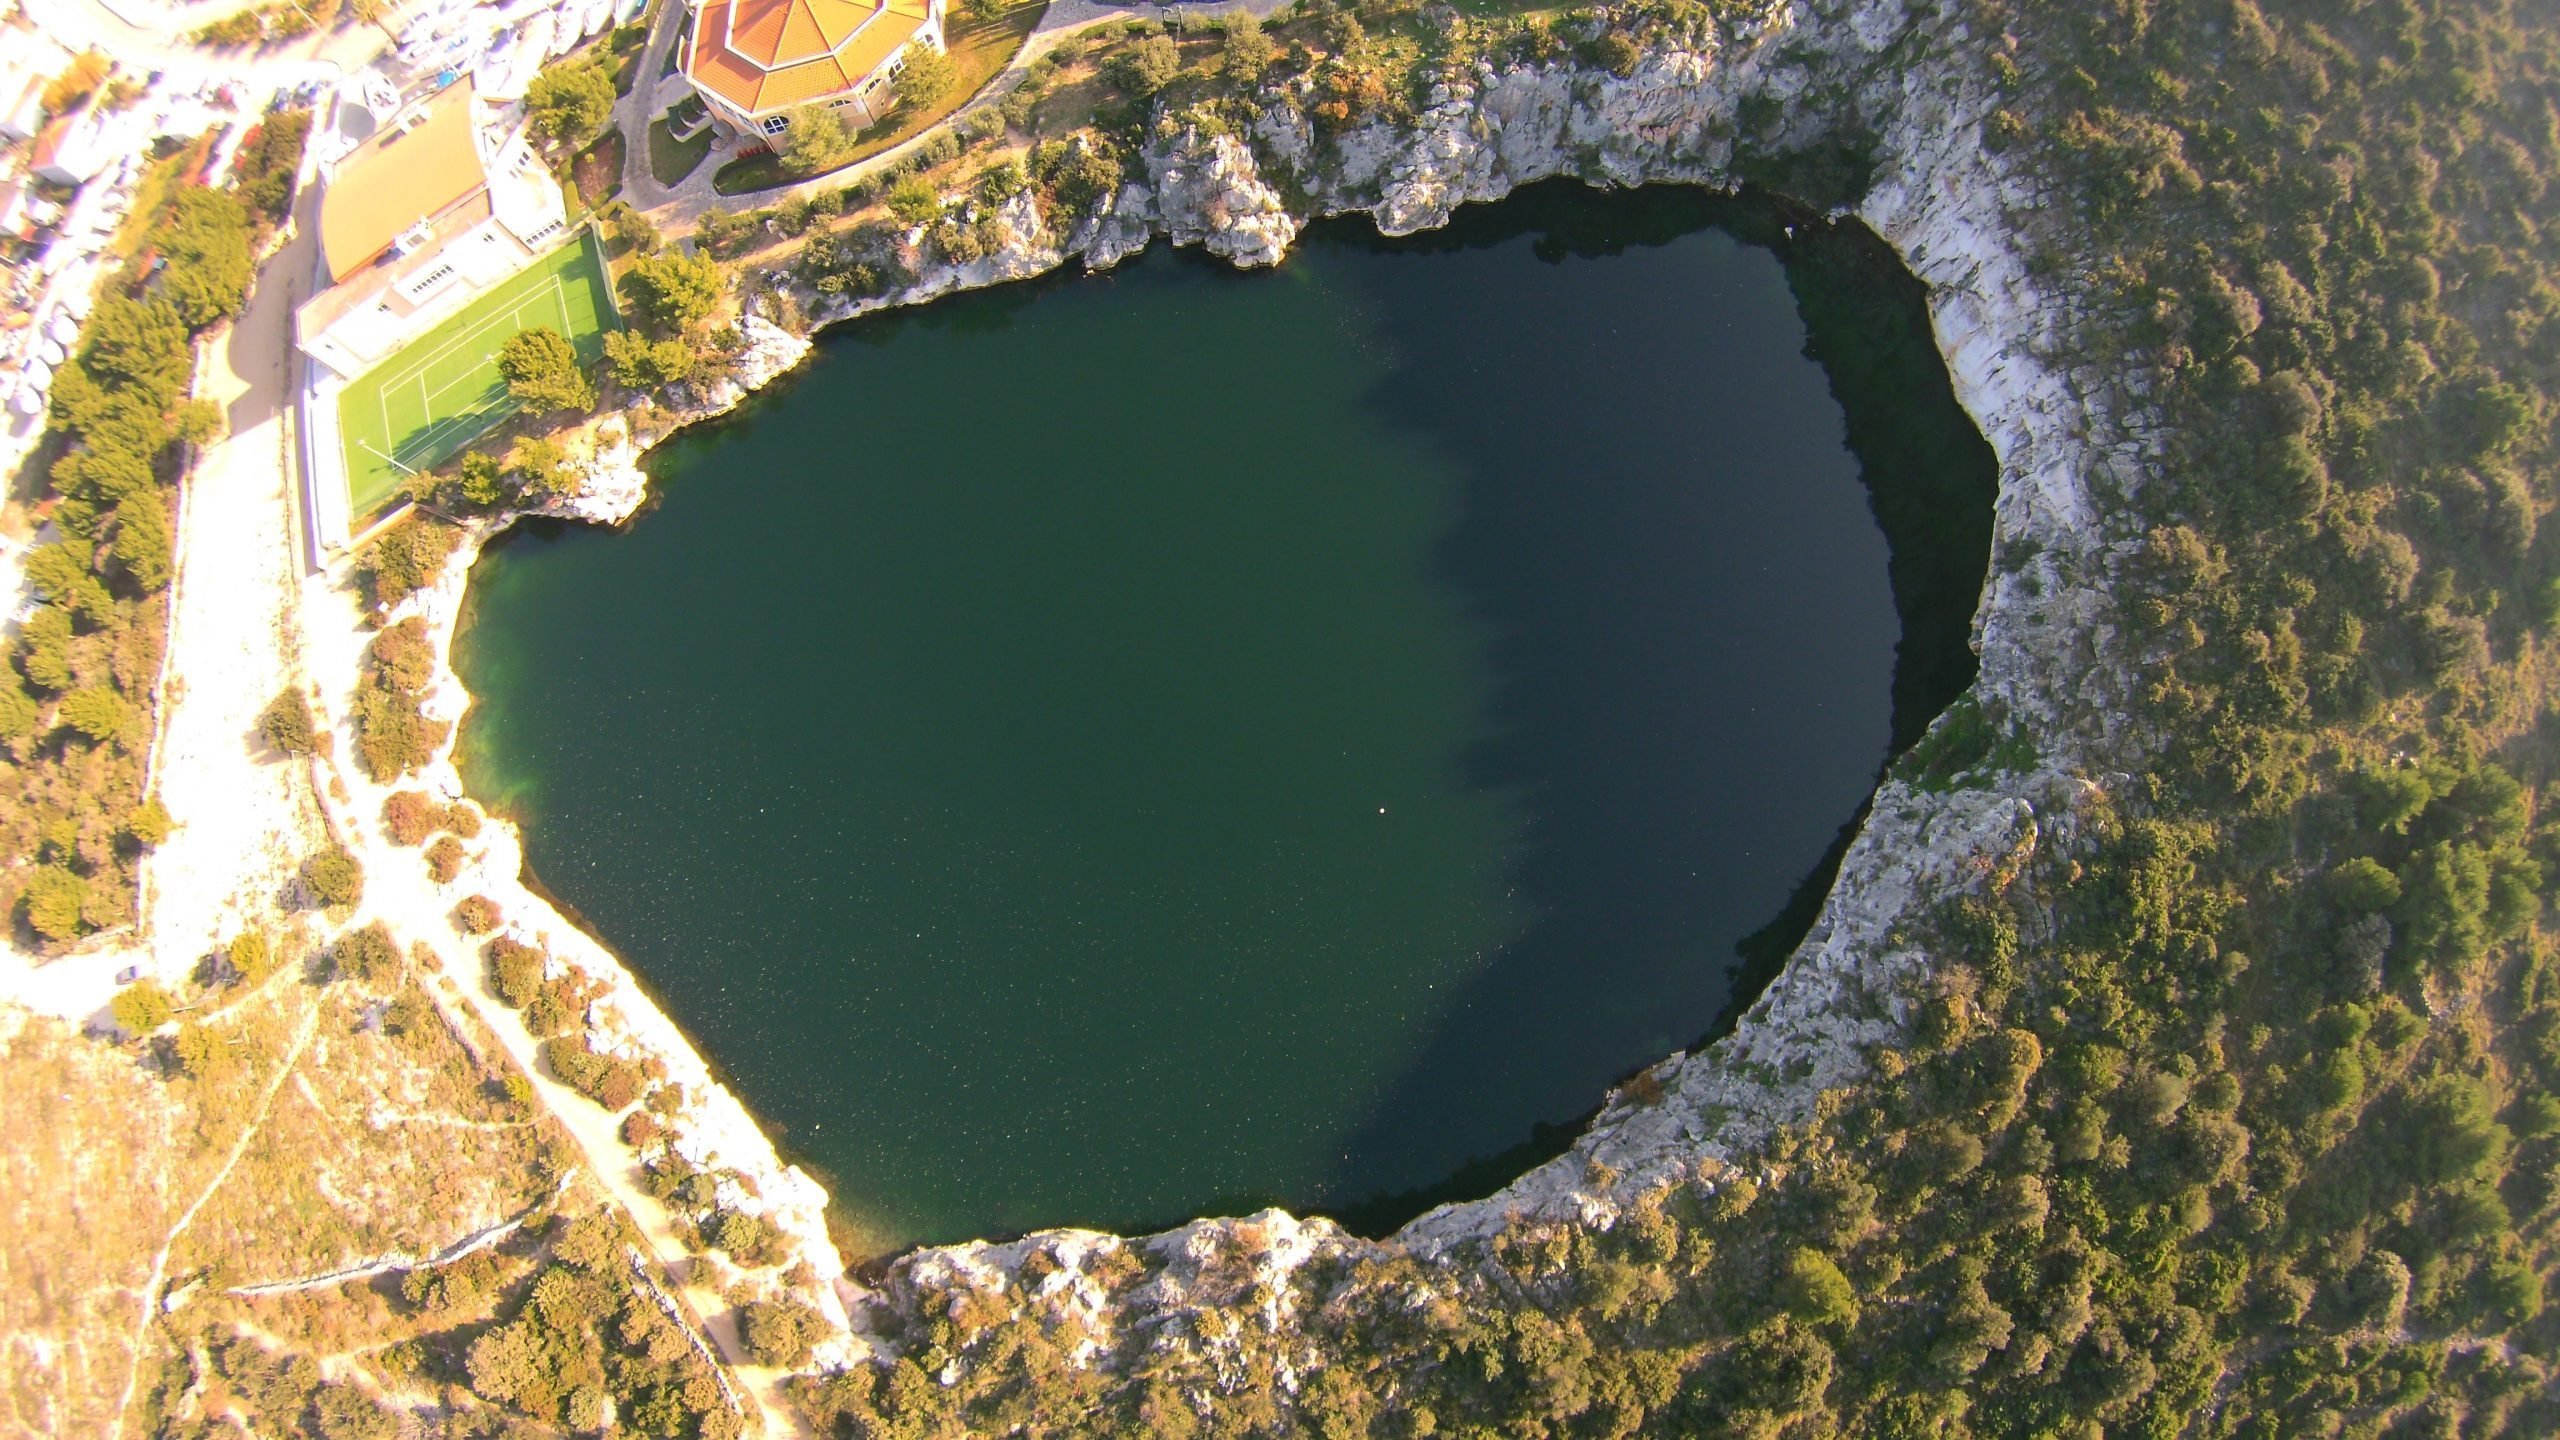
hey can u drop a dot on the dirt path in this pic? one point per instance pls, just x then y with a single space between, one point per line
400 893
160 1262
599 1138
480 1239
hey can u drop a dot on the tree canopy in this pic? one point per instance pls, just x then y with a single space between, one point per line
568 103
142 1007
925 77
818 140
674 292
543 373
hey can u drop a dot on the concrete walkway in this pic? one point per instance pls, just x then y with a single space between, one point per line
678 208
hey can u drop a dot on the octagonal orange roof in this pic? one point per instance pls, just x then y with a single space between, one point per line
767 55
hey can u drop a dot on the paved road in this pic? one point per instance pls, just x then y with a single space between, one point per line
679 207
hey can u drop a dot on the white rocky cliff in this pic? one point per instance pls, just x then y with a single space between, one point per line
2067 440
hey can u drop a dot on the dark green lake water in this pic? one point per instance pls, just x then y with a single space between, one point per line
1115 748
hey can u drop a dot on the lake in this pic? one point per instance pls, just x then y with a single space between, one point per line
1114 748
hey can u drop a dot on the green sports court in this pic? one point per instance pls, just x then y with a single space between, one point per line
440 392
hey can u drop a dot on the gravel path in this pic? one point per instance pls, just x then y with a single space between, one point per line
245 815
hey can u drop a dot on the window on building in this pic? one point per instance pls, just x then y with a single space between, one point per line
774 124
425 284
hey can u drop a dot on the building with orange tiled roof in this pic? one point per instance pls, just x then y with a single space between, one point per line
755 61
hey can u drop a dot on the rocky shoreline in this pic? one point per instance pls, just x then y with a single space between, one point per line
712 1128
1957 217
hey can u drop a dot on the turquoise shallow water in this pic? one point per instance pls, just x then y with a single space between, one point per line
1119 747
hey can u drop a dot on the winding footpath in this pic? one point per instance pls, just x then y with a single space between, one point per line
477 1240
596 1131
247 621
401 894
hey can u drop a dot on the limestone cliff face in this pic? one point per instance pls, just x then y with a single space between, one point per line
1669 120
2068 440
612 487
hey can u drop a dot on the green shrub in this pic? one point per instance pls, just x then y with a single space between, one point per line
1146 67
1813 1290
444 860
2362 885
56 901
368 955
99 713
674 293
750 1239
568 103
409 817
515 971
780 1332
333 877
476 915
405 559
926 75
543 374
286 723
142 1007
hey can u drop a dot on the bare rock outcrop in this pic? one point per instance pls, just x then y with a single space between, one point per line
2068 440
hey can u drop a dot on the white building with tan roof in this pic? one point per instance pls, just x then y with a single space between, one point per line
415 221
755 61
420 215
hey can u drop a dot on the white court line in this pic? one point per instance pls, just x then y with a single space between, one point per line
435 431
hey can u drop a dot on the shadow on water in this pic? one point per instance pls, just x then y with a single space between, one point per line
1601 871
1930 480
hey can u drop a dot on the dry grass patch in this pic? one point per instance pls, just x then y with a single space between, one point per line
389 1138
91 1150
388 1133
